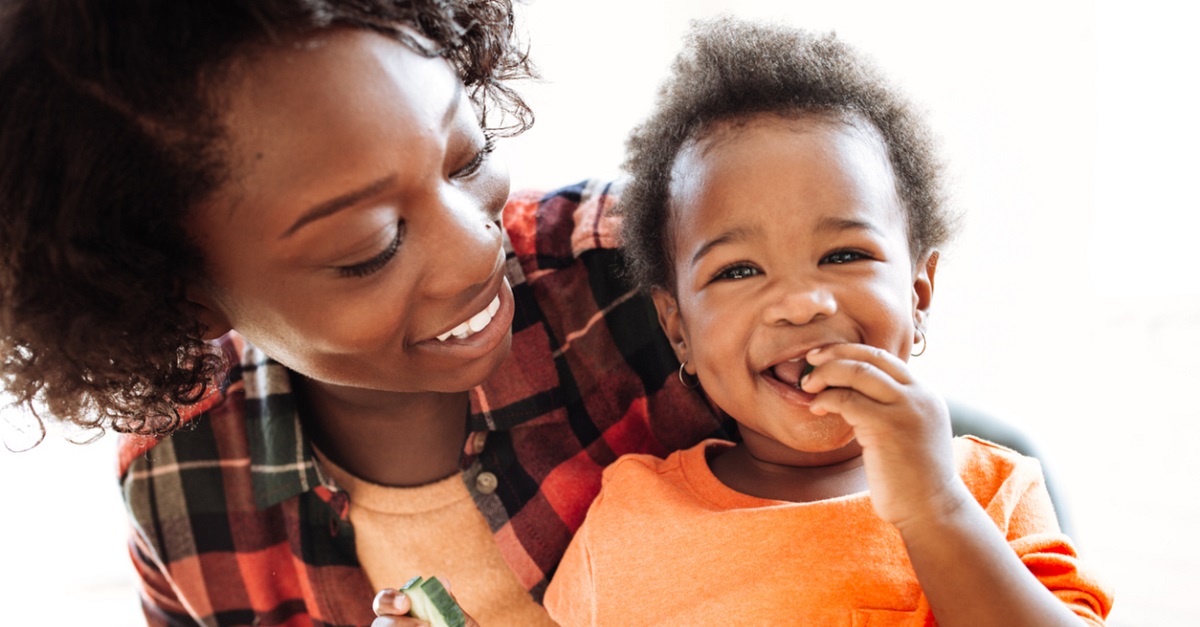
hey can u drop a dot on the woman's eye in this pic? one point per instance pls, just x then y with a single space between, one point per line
734 273
843 256
476 162
376 263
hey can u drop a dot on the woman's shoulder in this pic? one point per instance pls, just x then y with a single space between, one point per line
132 447
559 225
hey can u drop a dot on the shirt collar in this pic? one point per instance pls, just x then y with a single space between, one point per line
282 463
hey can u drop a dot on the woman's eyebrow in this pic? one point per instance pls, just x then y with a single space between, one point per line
351 198
334 205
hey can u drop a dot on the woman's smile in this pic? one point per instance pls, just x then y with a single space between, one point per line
361 250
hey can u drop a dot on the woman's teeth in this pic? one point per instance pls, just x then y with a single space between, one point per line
475 324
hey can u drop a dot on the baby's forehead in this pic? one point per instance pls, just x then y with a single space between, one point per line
817 165
847 138
719 132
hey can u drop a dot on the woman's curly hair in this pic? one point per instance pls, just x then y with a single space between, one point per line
732 70
109 134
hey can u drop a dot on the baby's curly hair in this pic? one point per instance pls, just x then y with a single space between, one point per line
109 134
732 70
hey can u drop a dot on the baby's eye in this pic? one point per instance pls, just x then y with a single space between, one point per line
844 256
736 272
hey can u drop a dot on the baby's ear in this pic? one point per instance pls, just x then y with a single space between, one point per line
206 310
671 322
923 287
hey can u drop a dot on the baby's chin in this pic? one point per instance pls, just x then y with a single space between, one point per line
822 434
821 440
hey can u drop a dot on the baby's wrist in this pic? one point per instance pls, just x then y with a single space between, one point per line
945 511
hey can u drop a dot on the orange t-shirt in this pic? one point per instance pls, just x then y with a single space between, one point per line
666 543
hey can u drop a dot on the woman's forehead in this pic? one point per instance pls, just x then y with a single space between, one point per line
330 113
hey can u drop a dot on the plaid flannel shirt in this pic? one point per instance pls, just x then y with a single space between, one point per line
234 524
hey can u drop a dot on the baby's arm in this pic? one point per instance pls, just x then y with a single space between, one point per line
967 570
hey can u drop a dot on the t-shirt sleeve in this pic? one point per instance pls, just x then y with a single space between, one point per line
571 596
1020 506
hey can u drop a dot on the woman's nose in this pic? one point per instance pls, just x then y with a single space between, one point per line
800 302
462 247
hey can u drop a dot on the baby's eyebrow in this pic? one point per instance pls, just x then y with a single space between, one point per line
727 237
833 223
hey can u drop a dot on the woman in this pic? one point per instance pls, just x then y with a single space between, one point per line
263 238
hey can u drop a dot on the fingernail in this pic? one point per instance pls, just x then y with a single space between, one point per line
813 352
399 603
804 380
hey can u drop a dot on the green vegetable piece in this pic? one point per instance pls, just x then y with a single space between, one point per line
807 369
432 604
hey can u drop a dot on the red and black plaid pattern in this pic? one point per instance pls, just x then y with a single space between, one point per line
235 525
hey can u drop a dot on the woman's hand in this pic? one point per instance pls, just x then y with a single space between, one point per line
392 606
902 426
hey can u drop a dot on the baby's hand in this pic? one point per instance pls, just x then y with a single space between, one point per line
902 426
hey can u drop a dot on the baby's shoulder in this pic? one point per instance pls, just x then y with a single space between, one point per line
989 468
639 476
640 467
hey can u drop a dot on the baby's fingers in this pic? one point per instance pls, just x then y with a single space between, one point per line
866 378
885 362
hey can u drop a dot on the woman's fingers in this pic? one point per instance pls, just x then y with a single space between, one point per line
390 602
392 606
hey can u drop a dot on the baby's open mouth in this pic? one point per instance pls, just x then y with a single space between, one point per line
791 371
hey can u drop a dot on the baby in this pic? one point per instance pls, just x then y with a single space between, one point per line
785 213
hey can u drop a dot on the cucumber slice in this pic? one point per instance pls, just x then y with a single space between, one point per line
807 369
432 604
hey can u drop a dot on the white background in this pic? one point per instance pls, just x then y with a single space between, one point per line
1069 305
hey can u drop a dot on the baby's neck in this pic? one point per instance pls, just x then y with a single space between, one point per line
837 474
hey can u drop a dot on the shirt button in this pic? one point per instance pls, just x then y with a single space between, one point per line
486 482
478 440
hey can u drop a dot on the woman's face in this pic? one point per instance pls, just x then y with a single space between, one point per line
358 224
788 236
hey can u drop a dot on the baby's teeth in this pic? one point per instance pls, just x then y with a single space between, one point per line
494 306
442 337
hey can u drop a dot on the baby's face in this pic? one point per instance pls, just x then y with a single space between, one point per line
787 236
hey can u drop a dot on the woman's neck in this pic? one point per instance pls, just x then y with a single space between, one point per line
818 477
395 439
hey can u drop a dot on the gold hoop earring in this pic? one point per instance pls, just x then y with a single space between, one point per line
924 344
695 383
